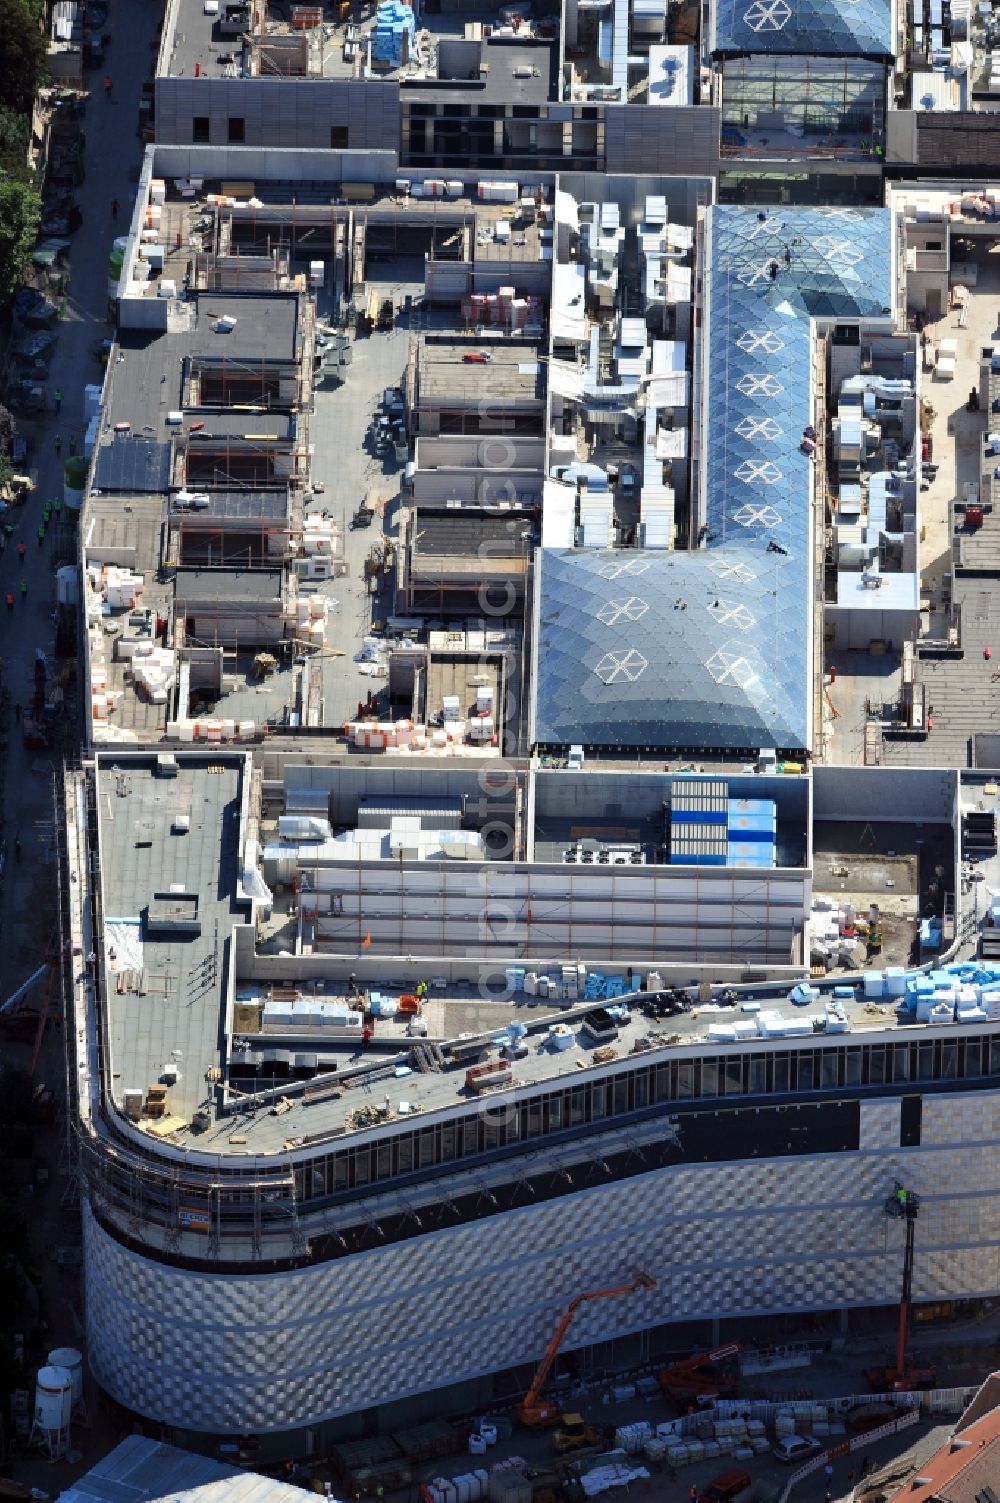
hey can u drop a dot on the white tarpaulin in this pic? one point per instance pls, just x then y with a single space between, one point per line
616 1474
569 319
566 380
123 945
567 211
558 514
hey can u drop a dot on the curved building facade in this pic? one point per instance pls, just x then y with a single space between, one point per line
231 1352
287 1224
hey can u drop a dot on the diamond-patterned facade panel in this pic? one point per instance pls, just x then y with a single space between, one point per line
235 1353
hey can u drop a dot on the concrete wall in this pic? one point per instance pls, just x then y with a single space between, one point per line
486 977
683 191
509 911
266 1352
299 166
349 784
854 629
923 795
281 111
448 282
435 486
900 136
494 454
603 795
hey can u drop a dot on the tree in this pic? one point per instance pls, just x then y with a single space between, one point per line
22 52
8 429
20 210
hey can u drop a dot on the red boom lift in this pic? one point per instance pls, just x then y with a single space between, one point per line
903 1205
701 1378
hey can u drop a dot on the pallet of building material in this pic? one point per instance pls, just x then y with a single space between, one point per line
352 1455
377 1480
425 1442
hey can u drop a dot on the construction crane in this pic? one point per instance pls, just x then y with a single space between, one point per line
533 1409
701 1378
903 1205
43 1016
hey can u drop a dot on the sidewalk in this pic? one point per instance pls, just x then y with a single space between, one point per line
27 910
111 161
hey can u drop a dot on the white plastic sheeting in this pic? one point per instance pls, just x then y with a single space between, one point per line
123 950
615 1474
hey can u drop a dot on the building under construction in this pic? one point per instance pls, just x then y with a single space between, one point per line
385 1024
282 1148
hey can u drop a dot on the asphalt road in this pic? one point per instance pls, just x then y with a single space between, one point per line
27 918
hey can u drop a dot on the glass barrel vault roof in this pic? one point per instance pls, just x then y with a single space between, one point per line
816 28
710 649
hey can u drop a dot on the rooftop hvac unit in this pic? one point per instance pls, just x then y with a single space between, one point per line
132 1102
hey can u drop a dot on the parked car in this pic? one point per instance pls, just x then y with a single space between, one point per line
793 1448
729 1487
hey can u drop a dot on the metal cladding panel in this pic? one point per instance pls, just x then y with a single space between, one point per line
962 139
646 138
134 465
235 1353
281 111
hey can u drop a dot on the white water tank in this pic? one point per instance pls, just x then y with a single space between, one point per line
69 1358
53 1399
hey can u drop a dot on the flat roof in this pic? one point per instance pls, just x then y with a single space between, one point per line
266 325
513 373
507 80
167 996
194 39
146 380
231 423
129 526
166 991
326 1105
133 462
460 532
464 674
260 586
241 506
140 1469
